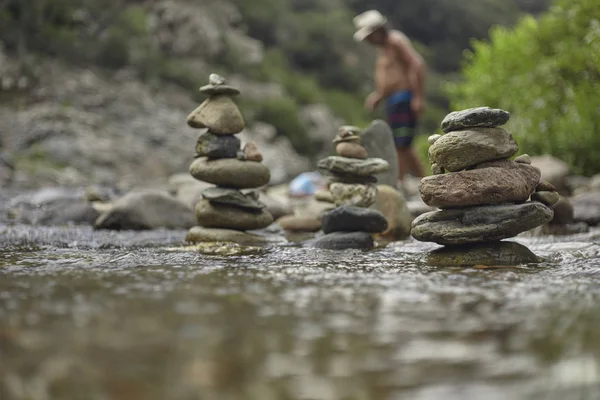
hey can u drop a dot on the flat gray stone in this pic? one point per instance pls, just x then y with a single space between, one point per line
213 146
211 215
480 224
213 90
480 117
352 166
231 172
378 139
233 197
344 241
485 254
199 234
459 150
351 219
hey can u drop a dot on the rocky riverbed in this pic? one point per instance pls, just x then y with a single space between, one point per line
137 315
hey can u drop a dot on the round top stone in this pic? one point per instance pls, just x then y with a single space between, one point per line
217 85
347 130
216 80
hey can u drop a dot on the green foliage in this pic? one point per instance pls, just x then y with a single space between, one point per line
546 72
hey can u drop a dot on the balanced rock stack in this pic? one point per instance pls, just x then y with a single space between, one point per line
353 190
225 212
484 195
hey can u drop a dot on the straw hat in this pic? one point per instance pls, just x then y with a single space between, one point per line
367 23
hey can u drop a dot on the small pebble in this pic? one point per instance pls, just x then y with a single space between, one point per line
523 159
433 138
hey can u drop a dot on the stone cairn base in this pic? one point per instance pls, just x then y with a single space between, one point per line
228 209
353 190
484 196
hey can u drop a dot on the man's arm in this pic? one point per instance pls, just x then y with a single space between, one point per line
415 65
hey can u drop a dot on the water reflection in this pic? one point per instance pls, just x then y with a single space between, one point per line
132 316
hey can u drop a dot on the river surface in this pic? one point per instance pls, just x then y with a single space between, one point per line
125 315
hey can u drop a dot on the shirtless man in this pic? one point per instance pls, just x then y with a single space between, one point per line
399 80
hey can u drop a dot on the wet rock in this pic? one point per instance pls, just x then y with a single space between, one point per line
351 150
492 254
351 219
353 195
523 159
554 171
292 223
551 229
483 117
210 215
58 212
199 234
251 152
378 139
563 212
479 224
344 241
587 208
394 208
504 182
459 150
213 146
230 172
547 198
233 197
219 114
349 166
147 210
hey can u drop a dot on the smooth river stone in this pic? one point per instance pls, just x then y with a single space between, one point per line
351 150
353 195
351 166
547 198
210 215
213 146
199 234
480 117
231 172
251 152
344 241
484 254
233 197
351 219
219 114
480 224
503 182
214 90
459 150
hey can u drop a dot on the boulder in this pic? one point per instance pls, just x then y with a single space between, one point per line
213 146
486 254
199 234
230 172
344 241
353 194
351 166
211 215
219 114
586 208
501 182
554 171
378 140
482 117
147 210
352 219
479 224
459 150
394 208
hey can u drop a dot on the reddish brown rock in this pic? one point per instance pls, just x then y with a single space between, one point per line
351 150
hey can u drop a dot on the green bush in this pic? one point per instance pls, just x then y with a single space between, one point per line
546 72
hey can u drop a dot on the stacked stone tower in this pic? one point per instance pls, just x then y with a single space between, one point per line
484 196
353 189
226 212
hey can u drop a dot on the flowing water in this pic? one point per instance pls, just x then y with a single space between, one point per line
125 315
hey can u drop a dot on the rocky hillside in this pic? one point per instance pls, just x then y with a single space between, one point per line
91 92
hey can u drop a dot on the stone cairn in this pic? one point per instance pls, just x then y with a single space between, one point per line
484 196
353 190
225 212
